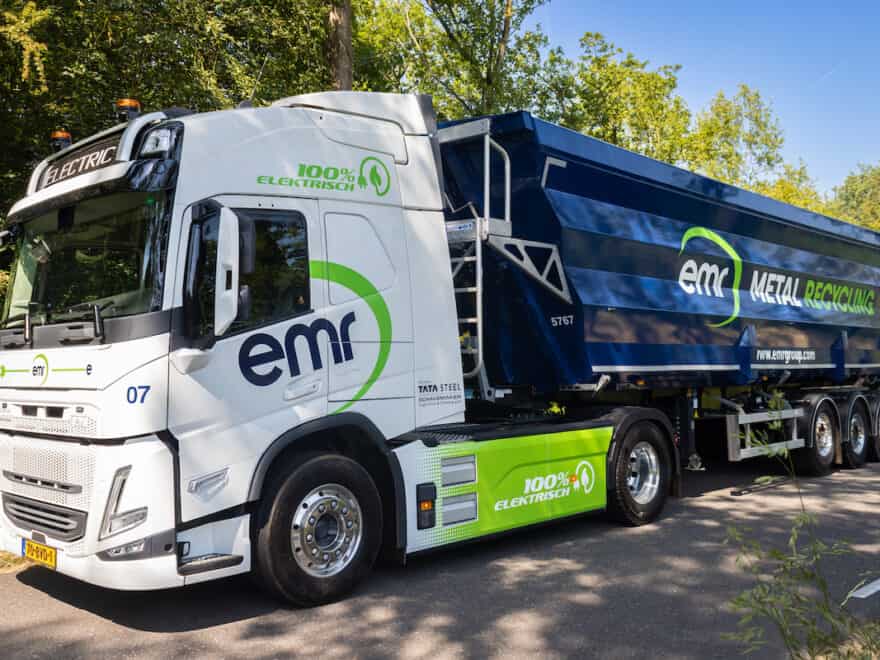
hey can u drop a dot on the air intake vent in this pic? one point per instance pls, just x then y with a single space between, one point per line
54 521
459 509
459 470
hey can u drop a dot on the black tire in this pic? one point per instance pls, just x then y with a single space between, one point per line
626 505
855 450
817 457
301 482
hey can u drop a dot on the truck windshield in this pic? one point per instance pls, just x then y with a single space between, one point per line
108 251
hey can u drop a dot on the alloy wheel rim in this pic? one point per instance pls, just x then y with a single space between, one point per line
326 530
857 434
643 479
824 435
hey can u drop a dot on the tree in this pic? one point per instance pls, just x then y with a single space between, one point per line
394 46
736 139
857 199
476 36
793 185
617 98
340 44
64 64
473 57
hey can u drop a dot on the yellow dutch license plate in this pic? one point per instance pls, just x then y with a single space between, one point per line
42 554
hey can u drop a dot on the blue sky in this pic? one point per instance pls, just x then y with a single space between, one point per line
818 63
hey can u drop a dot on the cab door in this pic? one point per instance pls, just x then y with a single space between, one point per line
234 390
369 286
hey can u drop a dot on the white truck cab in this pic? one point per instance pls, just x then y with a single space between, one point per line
194 291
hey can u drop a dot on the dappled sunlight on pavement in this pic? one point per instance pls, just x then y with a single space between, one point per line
583 587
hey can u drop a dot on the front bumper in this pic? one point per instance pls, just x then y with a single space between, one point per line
134 575
90 470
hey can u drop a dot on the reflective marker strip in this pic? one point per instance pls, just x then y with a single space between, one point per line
816 365
614 368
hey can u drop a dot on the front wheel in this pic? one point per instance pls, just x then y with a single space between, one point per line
318 530
642 471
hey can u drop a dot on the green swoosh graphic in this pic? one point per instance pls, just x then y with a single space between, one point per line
709 235
350 279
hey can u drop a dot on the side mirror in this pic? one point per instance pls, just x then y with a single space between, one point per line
226 291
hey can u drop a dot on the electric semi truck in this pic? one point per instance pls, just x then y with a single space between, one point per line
283 340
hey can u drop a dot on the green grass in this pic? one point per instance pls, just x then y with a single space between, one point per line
10 563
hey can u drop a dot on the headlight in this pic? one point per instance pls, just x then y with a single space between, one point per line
115 522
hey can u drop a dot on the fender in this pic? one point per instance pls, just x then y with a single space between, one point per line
623 419
341 420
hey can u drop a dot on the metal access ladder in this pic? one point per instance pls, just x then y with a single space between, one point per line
465 239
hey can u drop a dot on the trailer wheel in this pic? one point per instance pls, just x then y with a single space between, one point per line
855 452
642 470
824 436
318 529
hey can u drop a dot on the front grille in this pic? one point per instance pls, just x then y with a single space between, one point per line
43 463
55 521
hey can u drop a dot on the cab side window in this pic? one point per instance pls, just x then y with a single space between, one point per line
273 267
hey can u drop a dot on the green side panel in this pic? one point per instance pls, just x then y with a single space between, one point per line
524 480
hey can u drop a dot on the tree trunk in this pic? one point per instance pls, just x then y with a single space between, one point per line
340 44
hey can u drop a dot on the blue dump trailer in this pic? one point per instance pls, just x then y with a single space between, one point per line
595 275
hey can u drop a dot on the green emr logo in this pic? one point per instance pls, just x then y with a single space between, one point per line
707 279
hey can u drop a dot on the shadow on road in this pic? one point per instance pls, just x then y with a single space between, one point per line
171 610
578 587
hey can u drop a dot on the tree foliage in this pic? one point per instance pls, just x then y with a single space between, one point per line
619 99
64 62
793 185
857 199
736 139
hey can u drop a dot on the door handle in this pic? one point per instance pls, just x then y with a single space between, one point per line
298 390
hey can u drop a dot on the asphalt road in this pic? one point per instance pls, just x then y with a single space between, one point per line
583 588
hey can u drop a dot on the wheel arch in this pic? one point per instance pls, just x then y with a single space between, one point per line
626 418
352 435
